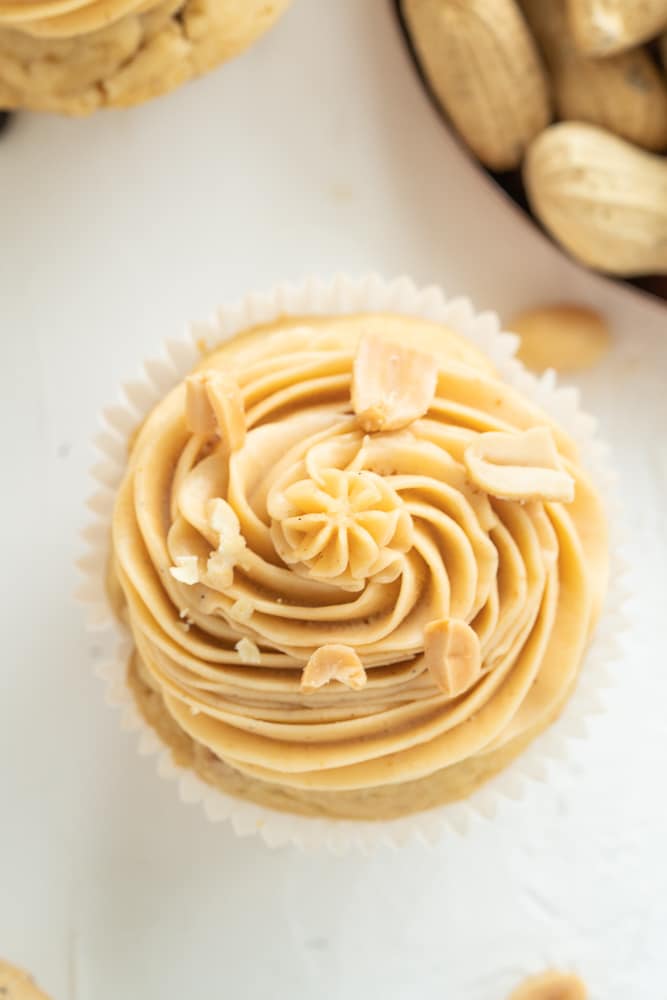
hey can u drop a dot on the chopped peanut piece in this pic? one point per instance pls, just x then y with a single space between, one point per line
551 986
563 337
199 414
333 663
186 569
452 655
15 984
519 466
227 402
213 403
344 528
391 385
222 518
249 652
231 544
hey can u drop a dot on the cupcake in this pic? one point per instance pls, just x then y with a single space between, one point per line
359 568
75 56
551 985
15 984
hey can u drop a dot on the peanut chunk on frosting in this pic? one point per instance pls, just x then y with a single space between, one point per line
452 655
333 663
214 404
186 569
224 522
392 386
249 652
520 466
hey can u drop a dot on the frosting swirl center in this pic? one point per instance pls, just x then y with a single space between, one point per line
341 526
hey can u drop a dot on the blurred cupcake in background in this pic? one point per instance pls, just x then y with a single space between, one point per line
15 984
75 56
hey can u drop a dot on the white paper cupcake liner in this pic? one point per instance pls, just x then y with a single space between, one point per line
339 296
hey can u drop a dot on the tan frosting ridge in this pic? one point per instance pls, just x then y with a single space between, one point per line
329 606
68 18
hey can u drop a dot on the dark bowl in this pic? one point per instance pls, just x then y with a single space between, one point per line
510 182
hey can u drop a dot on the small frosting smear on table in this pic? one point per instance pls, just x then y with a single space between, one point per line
551 986
565 337
15 984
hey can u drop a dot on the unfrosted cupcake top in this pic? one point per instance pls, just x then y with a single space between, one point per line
351 555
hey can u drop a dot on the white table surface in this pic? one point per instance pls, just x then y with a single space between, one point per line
314 152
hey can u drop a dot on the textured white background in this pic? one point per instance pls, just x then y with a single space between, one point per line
314 152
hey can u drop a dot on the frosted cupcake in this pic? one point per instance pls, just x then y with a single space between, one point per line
360 570
75 56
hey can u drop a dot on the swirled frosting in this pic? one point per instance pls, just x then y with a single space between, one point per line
68 18
328 609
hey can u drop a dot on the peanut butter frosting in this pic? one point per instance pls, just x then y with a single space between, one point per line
354 563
